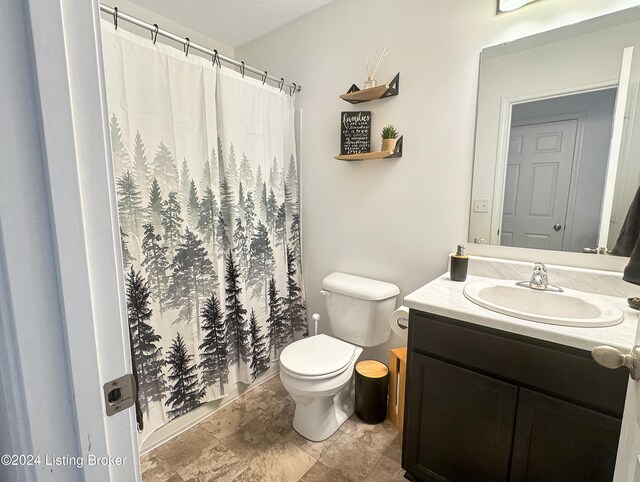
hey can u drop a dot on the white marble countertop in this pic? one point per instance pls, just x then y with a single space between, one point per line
445 297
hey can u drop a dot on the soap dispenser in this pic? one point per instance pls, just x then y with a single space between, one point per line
459 264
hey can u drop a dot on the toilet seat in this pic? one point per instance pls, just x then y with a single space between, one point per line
317 357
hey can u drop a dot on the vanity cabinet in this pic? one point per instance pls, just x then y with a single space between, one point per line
456 414
558 440
486 405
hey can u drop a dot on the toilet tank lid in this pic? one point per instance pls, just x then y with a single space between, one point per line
359 287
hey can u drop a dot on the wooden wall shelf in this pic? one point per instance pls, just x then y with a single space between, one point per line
368 156
355 96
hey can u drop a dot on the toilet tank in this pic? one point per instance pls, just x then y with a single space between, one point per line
359 308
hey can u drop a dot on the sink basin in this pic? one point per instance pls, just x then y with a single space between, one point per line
569 308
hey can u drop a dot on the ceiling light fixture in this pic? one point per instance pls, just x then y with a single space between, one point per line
509 5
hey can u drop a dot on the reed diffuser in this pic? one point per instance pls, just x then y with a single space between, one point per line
373 65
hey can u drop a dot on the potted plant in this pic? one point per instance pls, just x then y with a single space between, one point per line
389 138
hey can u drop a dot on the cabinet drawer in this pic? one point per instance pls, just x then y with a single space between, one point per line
564 372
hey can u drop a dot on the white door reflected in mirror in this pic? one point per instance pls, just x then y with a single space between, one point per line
556 171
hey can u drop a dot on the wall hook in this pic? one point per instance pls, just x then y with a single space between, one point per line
154 34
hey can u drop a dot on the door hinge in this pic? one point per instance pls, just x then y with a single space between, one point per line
119 394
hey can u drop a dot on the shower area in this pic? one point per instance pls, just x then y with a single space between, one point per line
150 227
206 186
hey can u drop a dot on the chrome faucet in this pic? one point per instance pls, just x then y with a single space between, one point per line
539 280
539 277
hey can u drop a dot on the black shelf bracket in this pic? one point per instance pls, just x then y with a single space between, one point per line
394 87
397 152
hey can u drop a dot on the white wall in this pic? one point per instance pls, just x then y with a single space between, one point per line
394 220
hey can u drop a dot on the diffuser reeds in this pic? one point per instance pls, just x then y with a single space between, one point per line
374 65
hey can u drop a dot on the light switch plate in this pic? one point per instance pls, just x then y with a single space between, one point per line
480 205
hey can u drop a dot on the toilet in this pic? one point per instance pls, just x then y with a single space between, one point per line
318 371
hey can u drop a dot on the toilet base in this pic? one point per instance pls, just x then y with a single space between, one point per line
317 418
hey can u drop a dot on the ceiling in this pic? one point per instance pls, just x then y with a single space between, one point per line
233 22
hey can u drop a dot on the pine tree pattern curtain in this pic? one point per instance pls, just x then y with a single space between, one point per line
208 202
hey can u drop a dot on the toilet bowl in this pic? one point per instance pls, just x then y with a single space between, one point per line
318 372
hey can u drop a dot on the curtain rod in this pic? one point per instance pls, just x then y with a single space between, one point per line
155 31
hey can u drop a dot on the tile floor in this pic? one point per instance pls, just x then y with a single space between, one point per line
252 440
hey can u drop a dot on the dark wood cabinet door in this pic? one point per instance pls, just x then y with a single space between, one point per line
556 440
459 424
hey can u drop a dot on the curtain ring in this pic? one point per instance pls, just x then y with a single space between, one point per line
242 68
186 45
264 77
115 17
281 83
216 58
295 88
154 33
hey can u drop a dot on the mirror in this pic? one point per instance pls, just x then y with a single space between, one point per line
557 156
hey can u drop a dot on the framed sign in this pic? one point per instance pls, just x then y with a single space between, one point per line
355 132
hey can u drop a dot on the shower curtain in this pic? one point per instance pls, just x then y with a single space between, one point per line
208 202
